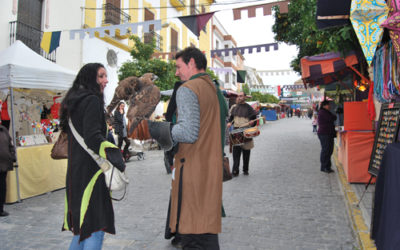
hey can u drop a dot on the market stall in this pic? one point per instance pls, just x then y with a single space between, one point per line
30 84
340 77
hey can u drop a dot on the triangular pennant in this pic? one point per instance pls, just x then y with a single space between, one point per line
241 76
191 23
196 23
202 20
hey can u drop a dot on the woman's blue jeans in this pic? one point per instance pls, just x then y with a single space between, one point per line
94 242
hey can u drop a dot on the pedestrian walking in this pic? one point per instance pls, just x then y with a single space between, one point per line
196 194
7 158
326 135
88 207
240 115
121 129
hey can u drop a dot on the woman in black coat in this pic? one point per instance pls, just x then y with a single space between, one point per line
120 129
88 209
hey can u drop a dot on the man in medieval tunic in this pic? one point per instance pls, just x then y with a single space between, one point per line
242 115
196 194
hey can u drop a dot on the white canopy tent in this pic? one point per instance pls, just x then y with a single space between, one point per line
21 67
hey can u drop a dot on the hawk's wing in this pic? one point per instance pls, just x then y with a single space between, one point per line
142 106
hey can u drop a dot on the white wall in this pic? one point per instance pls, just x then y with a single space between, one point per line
65 16
95 50
6 16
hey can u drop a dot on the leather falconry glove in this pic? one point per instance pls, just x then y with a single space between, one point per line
161 132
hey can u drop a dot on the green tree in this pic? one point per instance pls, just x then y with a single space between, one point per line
263 98
246 89
143 63
298 27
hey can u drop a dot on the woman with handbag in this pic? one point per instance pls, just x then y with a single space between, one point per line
88 209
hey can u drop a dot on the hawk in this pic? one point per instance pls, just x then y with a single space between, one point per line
141 95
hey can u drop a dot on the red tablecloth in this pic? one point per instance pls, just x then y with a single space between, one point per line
354 152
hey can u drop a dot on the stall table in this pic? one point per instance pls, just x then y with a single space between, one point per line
38 173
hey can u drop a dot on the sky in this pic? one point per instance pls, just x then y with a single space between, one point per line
253 31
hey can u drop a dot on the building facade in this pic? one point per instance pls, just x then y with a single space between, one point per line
226 65
26 20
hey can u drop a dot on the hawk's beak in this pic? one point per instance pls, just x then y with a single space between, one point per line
155 77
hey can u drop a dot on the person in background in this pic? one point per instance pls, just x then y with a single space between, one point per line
88 206
326 135
7 158
314 123
121 130
110 136
240 114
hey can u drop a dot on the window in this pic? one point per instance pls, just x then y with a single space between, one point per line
192 7
216 44
30 23
112 12
174 40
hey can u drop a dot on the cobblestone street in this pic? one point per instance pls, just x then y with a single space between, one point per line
284 203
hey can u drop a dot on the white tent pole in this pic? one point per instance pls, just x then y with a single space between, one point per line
14 140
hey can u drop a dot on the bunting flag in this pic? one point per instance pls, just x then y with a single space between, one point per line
164 55
292 87
280 72
251 10
242 50
241 76
332 15
50 41
196 23
221 70
123 28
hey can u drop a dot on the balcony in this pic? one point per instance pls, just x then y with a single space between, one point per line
149 36
178 4
114 15
175 48
31 37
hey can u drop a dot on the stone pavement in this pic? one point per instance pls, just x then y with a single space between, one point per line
285 202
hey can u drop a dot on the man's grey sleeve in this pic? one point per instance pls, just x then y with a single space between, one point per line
188 125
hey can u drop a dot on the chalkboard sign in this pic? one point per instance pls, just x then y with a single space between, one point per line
386 132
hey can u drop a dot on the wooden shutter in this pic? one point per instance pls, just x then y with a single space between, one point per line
174 40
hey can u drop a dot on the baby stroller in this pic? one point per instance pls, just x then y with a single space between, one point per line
136 149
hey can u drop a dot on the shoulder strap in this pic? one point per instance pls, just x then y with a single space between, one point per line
99 160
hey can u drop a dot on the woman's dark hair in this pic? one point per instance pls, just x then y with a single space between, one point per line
192 52
86 80
119 104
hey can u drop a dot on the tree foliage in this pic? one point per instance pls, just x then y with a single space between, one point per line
263 98
143 63
246 89
298 27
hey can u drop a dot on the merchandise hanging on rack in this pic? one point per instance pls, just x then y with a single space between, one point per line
386 74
